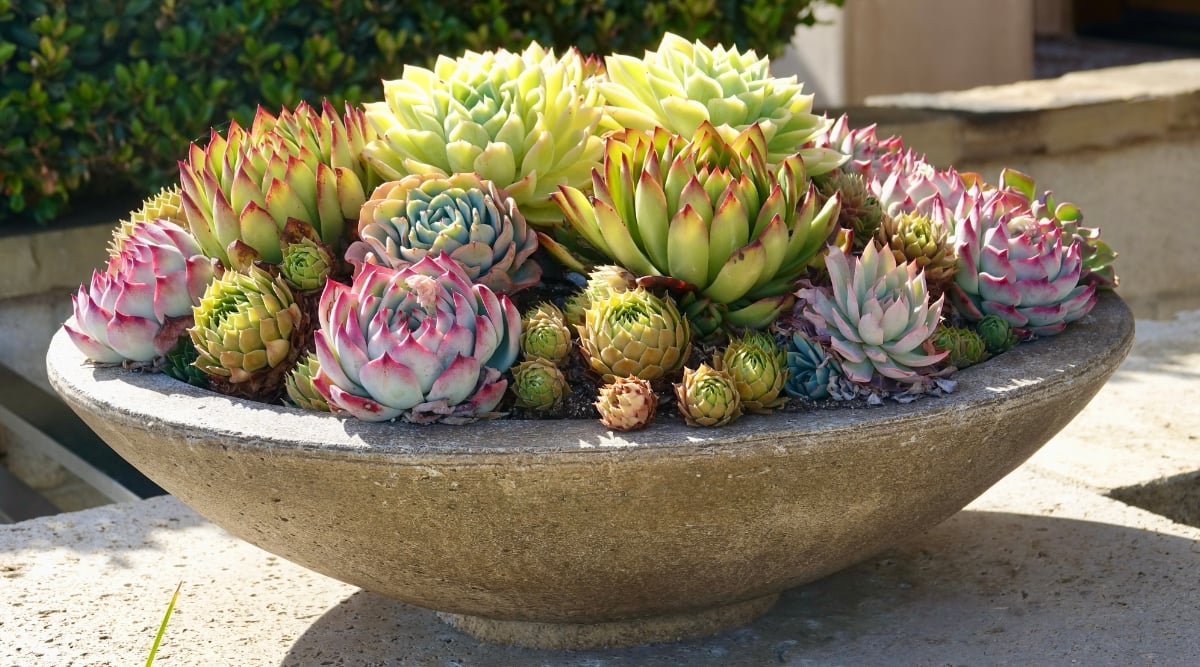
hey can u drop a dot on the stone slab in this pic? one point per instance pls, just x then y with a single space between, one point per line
1042 569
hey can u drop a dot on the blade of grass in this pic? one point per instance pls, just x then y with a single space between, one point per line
162 628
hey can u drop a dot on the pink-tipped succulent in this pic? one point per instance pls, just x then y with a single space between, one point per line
461 215
1022 268
421 343
877 316
627 404
139 306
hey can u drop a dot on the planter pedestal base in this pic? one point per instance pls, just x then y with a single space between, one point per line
612 634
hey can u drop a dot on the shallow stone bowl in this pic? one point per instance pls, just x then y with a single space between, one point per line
562 534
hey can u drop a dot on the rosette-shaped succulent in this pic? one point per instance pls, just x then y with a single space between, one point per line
684 85
963 347
707 397
248 332
627 404
868 154
997 334
422 342
179 363
1020 268
634 333
860 212
544 334
300 388
877 315
1097 255
241 189
708 216
166 205
810 369
538 385
925 241
759 370
528 122
306 262
461 215
139 306
602 281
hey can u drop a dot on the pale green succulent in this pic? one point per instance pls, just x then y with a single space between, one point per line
299 385
759 370
634 333
166 205
684 85
528 122
544 334
708 397
706 216
538 385
307 262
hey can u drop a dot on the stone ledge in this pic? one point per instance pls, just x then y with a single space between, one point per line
51 260
1093 109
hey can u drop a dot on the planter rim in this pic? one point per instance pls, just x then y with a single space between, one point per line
1093 345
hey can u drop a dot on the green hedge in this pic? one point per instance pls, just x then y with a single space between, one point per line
102 96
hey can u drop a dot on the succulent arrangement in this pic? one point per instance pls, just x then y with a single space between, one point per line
532 235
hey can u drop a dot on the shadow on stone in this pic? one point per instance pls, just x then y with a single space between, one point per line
980 588
1176 497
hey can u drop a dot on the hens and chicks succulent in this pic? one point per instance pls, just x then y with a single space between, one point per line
732 250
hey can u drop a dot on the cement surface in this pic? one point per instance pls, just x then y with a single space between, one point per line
1042 569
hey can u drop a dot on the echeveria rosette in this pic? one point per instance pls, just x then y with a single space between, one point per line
301 391
166 205
810 368
860 213
461 215
528 122
626 404
538 385
925 240
240 191
759 370
634 333
877 316
707 216
422 343
684 85
307 263
708 397
545 335
248 333
137 308
1018 267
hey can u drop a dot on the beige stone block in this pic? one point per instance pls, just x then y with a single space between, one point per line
51 259
1102 125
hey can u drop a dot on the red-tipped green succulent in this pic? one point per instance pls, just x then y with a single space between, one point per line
422 343
538 385
166 205
461 215
634 333
137 308
248 332
877 315
528 122
544 334
627 404
707 216
685 85
708 397
240 191
759 370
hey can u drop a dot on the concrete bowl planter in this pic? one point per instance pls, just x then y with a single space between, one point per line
561 534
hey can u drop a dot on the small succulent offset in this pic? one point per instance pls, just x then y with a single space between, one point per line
810 369
925 240
997 334
877 315
709 215
461 215
627 404
248 332
759 370
708 397
528 122
963 347
137 308
307 263
300 388
166 205
421 343
544 334
634 333
684 85
1018 267
538 385
240 191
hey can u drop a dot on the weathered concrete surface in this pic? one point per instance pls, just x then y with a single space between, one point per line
1043 569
